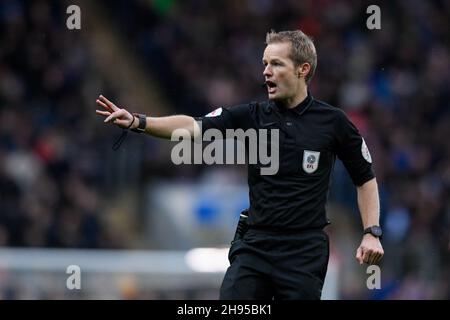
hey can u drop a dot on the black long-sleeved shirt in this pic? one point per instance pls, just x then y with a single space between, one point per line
311 135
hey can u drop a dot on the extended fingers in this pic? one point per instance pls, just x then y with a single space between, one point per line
104 105
113 116
111 106
120 117
103 113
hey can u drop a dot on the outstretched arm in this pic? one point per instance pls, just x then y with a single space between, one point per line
161 127
370 250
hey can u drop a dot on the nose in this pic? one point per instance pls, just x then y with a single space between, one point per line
267 71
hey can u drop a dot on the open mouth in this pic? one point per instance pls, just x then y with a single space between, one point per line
271 86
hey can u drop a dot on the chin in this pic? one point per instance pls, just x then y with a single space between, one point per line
274 97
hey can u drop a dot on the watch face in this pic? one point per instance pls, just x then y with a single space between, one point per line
376 231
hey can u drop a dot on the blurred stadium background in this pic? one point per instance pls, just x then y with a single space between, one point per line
141 227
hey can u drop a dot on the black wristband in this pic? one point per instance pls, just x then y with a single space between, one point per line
142 123
376 231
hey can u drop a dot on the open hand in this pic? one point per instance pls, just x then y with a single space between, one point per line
114 114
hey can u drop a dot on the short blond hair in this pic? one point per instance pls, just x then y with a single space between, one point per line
303 49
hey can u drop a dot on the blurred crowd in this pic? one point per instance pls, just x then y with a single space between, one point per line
393 83
50 156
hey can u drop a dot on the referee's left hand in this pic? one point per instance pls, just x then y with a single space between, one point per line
370 250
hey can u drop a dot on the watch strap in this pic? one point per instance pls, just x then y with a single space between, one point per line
142 118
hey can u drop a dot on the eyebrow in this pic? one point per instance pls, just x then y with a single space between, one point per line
273 60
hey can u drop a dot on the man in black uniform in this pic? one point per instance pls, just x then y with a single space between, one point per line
281 250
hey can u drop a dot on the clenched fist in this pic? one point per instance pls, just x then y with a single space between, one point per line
370 250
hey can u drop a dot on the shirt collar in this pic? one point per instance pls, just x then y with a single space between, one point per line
301 107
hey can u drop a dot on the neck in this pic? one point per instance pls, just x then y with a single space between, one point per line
297 99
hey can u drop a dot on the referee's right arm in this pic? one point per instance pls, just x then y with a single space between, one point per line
161 127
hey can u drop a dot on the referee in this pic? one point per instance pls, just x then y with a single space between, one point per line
280 249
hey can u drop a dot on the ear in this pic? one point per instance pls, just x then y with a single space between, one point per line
303 70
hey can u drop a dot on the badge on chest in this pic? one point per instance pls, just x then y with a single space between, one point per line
310 161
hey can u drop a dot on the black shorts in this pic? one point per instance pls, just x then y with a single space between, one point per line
273 265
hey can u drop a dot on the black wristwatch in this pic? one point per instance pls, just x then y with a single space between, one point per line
142 122
375 231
